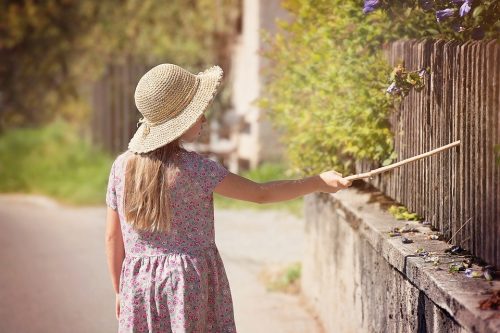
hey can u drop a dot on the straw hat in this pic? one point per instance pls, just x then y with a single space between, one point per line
170 100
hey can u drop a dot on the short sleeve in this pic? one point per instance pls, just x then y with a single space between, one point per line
211 174
111 190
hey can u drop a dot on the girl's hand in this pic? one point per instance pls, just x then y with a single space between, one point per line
333 182
117 306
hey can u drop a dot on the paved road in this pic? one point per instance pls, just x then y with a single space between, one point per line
54 277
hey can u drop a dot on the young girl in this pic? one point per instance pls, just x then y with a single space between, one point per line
165 268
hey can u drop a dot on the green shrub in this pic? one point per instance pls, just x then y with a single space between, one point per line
327 78
402 213
326 86
264 173
53 161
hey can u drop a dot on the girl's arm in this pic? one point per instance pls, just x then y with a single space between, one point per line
114 248
237 187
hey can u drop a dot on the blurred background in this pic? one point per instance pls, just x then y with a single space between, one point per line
309 86
68 74
68 70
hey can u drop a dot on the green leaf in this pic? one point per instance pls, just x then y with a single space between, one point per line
477 11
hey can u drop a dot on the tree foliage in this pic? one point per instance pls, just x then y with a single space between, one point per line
48 49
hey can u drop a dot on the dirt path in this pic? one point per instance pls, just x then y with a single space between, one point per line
54 276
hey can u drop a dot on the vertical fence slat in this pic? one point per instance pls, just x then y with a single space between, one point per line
493 78
468 140
481 165
489 136
464 143
473 151
420 99
445 129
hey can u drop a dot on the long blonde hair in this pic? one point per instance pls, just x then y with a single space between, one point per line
147 180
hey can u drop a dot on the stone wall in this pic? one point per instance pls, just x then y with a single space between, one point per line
359 280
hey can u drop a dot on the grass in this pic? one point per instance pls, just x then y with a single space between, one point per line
264 173
402 213
285 279
53 161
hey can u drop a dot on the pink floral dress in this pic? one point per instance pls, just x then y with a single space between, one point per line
175 282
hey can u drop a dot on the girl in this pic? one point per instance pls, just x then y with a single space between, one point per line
165 268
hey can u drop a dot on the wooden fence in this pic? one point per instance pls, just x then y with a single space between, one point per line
458 190
114 115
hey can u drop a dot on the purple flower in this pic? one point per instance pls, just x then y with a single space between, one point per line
465 8
422 72
426 4
442 15
370 6
392 88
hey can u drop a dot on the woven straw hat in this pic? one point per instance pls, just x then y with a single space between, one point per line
170 100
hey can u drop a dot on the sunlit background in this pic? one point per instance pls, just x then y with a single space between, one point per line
307 88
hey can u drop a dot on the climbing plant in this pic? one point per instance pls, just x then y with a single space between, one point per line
329 85
457 19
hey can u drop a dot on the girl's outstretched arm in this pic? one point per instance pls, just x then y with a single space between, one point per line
115 251
237 187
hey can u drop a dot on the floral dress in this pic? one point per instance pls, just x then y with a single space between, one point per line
175 282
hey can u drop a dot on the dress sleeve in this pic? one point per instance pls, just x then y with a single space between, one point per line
211 173
111 190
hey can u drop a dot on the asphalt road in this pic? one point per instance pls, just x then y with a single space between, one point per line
54 277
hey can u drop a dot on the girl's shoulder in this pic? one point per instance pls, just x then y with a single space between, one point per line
191 155
204 170
191 160
122 157
202 164
119 162
197 158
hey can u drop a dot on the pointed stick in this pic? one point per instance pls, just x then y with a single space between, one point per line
400 163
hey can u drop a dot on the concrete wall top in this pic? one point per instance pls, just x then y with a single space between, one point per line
365 210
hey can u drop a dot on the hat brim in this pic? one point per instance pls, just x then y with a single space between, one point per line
160 135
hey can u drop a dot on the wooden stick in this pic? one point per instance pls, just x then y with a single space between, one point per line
463 225
400 163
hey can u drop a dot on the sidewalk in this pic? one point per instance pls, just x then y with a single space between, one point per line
54 265
249 242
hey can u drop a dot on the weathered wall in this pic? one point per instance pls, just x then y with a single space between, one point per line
358 280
